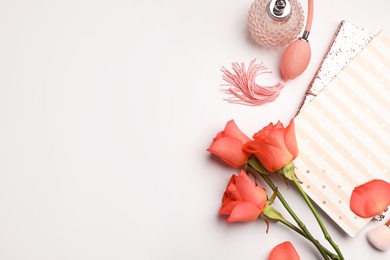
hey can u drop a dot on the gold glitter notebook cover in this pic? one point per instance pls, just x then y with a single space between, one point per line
344 134
349 39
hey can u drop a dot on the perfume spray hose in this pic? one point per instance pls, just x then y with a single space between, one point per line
309 19
297 55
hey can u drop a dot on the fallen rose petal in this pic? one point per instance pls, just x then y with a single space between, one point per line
370 198
284 251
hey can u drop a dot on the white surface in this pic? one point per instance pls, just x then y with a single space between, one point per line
106 110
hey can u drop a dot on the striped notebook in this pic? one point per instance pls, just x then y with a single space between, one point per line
344 134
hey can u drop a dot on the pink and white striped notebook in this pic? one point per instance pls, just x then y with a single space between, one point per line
344 134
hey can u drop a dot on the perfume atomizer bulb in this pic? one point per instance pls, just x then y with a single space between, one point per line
380 237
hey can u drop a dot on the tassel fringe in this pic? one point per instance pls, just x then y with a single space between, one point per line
242 85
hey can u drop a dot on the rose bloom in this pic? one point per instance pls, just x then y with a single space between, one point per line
284 251
274 146
228 144
370 198
243 200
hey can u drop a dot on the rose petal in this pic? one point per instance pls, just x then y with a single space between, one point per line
273 148
244 212
230 150
249 191
278 125
263 133
284 251
231 130
370 198
227 207
277 150
218 136
291 140
232 191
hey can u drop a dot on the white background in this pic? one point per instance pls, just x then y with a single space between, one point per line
106 111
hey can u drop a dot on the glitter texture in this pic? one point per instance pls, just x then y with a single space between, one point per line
382 216
347 42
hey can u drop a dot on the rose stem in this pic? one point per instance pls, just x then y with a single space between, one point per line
294 216
299 231
323 228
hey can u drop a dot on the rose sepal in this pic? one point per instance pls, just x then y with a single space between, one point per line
271 212
256 164
288 172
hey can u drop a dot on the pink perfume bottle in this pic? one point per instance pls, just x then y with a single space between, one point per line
275 23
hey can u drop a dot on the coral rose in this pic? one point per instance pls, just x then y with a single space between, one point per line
228 144
284 251
243 200
274 146
370 198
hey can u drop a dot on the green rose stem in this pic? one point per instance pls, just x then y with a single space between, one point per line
289 173
305 232
323 228
299 231
253 163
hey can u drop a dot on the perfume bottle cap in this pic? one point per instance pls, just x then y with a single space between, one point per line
279 9
275 23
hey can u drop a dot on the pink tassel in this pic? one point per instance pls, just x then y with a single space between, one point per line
243 87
